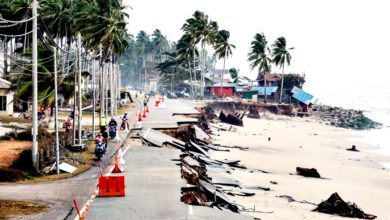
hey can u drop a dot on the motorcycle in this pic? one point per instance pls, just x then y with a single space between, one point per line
112 131
100 150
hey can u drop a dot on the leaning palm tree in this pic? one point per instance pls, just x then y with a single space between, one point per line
281 56
259 58
222 48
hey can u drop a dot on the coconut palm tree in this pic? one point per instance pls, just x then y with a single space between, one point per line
190 28
143 46
281 55
259 58
185 51
223 49
207 32
159 44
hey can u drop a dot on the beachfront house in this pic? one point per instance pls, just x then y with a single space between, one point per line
271 79
6 98
218 75
304 99
228 89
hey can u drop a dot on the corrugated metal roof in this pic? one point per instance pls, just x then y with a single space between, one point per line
224 84
303 96
268 90
4 84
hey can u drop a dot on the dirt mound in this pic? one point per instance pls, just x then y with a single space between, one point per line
10 151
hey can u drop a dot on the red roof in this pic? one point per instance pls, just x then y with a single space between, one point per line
272 77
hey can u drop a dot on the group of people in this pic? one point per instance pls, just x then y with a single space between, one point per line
103 135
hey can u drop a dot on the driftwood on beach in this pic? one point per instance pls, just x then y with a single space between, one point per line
335 205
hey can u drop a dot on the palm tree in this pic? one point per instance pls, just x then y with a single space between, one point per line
207 32
103 28
190 28
159 44
143 45
185 51
259 58
281 56
222 48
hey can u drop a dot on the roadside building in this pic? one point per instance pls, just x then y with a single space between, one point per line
6 98
228 89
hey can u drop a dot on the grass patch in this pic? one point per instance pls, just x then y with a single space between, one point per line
8 119
10 208
126 108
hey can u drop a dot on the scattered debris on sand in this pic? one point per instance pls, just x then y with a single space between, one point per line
308 172
353 148
335 205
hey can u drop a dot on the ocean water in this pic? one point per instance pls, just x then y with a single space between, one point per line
373 99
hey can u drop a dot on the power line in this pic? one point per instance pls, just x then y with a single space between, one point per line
63 78
17 35
42 73
52 40
9 25
2 20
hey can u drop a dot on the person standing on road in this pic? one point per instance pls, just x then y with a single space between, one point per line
103 124
68 125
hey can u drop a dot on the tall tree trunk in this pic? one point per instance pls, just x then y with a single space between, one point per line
223 71
193 55
202 69
189 68
212 83
5 56
265 88
281 86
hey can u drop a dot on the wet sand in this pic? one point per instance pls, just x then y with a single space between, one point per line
357 176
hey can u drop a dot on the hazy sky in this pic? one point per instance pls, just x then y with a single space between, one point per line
332 38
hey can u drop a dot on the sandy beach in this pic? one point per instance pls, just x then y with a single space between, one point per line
357 176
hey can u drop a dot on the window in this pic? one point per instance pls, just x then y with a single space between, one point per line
3 103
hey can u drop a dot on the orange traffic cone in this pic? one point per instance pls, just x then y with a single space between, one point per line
117 168
147 109
144 115
140 117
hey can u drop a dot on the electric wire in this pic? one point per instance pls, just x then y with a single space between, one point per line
52 40
3 20
17 35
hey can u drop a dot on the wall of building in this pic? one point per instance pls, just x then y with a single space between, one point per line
10 104
226 91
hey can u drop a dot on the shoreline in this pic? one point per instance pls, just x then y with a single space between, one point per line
307 143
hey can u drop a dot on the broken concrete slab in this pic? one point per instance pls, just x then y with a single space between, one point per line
158 138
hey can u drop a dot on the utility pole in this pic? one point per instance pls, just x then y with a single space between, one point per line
34 148
56 113
80 104
93 97
111 86
101 91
